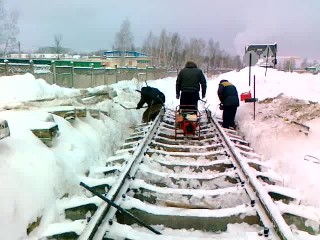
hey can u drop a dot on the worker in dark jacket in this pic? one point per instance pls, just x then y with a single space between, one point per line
229 102
188 83
155 99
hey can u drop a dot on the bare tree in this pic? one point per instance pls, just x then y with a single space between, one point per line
237 62
8 29
149 47
315 62
305 63
163 49
124 39
214 53
175 50
196 51
57 44
289 64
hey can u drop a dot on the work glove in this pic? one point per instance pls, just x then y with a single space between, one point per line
177 96
221 106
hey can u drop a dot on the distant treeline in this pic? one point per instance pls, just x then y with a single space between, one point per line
170 50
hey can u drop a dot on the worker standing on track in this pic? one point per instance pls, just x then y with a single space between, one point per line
188 83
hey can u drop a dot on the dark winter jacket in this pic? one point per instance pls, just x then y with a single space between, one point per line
190 79
228 93
151 96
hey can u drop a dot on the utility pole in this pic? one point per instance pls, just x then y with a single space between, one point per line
19 47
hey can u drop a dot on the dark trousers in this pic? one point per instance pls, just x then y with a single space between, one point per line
228 115
151 113
189 98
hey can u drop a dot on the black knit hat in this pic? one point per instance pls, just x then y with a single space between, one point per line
224 80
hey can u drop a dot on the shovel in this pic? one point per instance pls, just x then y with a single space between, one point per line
128 108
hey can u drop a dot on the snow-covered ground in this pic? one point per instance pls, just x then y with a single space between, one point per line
33 176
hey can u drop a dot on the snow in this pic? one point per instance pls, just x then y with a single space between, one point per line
34 177
197 192
234 232
158 210
23 88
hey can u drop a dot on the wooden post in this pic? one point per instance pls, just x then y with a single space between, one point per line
250 63
265 74
254 97
6 67
104 76
146 72
92 84
137 73
72 74
115 66
53 65
31 67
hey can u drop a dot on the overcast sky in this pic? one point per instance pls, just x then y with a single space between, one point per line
91 25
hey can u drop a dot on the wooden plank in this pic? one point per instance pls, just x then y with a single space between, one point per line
46 132
4 129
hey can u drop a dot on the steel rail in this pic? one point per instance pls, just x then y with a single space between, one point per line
119 187
273 218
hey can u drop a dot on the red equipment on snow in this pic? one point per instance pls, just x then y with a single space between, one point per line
245 95
187 121
189 128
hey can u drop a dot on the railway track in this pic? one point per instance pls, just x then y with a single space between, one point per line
159 187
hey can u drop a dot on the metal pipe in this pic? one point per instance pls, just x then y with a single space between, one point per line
254 96
122 210
250 63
